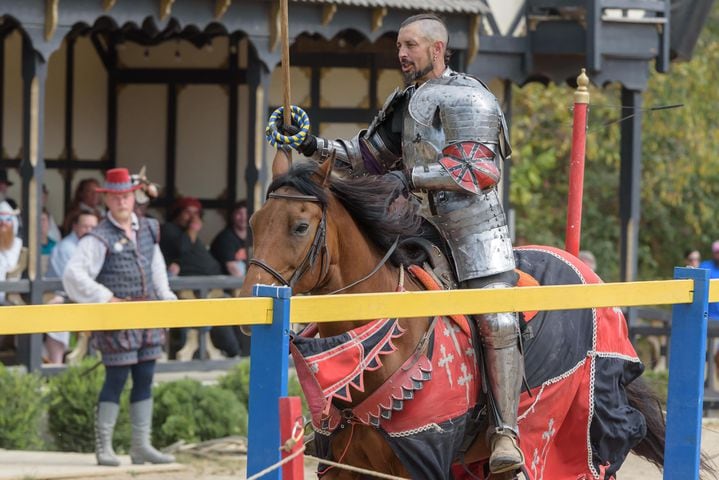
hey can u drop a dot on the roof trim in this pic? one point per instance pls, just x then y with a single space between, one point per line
439 6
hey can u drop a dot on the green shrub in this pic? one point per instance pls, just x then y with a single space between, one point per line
237 381
187 410
22 407
73 400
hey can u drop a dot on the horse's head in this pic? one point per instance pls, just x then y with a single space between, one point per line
323 233
290 230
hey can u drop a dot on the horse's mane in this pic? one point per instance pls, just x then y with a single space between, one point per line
378 204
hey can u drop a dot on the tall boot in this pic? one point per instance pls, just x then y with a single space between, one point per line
141 450
105 419
505 370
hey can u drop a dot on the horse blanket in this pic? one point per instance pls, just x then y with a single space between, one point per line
575 421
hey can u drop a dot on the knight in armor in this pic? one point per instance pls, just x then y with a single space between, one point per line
445 134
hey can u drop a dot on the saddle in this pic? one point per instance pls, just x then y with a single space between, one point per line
437 263
437 273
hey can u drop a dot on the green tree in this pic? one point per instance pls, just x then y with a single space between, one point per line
680 176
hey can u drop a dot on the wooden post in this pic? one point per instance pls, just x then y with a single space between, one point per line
269 358
290 414
576 166
685 394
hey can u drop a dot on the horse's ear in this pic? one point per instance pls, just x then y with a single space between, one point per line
281 163
326 169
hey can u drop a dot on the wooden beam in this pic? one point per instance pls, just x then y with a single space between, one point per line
275 22
473 38
221 7
378 15
165 8
51 7
328 13
108 4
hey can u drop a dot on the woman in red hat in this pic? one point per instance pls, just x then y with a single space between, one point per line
118 261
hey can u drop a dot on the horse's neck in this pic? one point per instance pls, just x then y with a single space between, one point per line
352 258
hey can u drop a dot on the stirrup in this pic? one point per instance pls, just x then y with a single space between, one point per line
511 459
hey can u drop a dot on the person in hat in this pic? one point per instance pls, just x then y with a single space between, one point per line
10 244
187 255
120 261
5 183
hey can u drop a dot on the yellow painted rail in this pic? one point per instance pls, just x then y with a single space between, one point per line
305 309
368 306
126 315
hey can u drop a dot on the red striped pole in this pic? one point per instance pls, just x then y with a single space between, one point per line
576 166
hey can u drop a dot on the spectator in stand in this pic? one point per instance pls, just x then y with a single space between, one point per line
120 261
186 255
230 249
4 184
181 245
692 258
56 343
10 250
230 245
53 231
47 244
10 244
87 198
713 267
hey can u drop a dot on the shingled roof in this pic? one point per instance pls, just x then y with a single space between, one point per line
439 6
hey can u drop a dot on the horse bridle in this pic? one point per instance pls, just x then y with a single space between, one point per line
318 248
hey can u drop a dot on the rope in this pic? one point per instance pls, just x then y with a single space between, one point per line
364 471
277 465
299 118
296 436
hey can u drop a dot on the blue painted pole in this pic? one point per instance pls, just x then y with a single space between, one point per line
687 357
269 355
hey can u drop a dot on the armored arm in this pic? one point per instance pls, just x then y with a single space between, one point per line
465 156
373 151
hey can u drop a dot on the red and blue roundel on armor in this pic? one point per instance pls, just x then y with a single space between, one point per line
471 165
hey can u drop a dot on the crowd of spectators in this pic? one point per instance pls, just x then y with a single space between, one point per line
184 252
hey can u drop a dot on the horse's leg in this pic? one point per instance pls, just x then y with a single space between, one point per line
367 449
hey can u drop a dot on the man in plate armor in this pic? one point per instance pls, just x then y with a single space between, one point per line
446 132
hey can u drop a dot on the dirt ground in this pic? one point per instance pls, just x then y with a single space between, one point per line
226 468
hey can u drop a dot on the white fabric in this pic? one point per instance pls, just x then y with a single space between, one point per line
62 337
85 264
8 261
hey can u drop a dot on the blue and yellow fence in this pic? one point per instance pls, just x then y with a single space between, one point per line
273 307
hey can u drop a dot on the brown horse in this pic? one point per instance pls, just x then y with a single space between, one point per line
407 413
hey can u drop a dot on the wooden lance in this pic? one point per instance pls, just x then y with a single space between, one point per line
283 157
576 166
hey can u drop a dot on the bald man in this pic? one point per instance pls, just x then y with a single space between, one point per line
445 134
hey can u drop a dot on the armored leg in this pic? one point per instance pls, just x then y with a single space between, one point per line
504 371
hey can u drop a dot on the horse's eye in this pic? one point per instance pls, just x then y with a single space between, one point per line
301 228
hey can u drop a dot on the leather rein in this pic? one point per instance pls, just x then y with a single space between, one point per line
318 249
